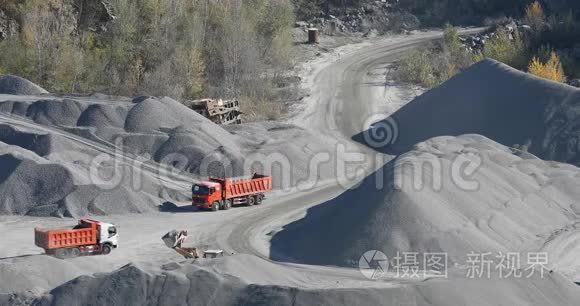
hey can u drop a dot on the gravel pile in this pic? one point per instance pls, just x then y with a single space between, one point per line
72 133
192 284
508 106
508 203
15 85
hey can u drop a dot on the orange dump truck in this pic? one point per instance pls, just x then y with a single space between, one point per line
218 193
87 237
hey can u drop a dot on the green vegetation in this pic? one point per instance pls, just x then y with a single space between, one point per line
506 48
553 38
184 49
417 68
432 66
535 16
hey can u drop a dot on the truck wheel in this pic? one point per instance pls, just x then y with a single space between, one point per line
259 199
75 252
60 253
106 249
215 206
227 204
251 201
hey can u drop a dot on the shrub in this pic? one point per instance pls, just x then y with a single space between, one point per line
551 69
451 38
506 48
417 68
535 16
261 108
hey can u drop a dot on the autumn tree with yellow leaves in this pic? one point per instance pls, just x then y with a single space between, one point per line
551 69
535 15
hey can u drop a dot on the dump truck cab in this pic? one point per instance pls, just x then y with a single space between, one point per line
204 194
108 234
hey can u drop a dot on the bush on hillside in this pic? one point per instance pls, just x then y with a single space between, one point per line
551 69
506 48
417 68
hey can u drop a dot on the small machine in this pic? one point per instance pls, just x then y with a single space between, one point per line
213 253
174 240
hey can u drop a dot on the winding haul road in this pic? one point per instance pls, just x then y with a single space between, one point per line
345 91
344 94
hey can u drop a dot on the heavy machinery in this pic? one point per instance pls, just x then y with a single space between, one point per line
217 110
174 240
223 193
86 238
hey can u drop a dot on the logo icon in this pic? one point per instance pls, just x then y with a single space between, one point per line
380 132
373 264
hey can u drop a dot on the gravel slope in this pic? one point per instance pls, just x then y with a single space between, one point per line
508 204
107 155
491 99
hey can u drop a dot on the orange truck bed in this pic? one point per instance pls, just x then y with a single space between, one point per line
246 186
65 238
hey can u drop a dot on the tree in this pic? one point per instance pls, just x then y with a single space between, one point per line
307 9
551 70
451 38
535 16
179 48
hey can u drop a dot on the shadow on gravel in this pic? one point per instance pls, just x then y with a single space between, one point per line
338 231
173 208
21 256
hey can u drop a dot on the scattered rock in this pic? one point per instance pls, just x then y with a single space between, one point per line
8 26
301 24
574 82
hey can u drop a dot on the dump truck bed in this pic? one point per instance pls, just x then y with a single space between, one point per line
65 238
239 187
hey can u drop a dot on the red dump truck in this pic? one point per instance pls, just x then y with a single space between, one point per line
87 237
223 193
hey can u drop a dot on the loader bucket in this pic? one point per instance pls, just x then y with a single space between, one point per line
174 238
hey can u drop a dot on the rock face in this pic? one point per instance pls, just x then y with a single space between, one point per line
71 16
366 16
8 26
93 15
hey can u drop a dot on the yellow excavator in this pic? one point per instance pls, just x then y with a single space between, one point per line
174 240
